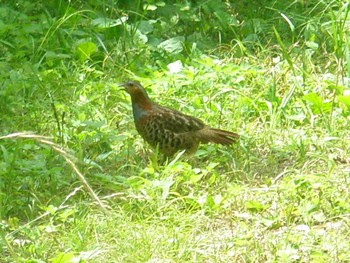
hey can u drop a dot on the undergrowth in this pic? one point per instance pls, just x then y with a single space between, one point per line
78 184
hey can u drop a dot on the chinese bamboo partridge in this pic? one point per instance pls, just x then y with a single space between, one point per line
169 129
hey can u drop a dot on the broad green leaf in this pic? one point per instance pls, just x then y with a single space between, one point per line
160 3
345 100
312 45
107 22
150 7
63 258
85 50
172 45
254 206
313 98
141 38
145 27
317 103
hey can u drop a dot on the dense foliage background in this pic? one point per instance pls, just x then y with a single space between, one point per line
276 72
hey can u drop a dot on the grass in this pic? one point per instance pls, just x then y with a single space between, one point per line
280 194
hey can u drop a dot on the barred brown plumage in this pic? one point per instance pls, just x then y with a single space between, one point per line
169 129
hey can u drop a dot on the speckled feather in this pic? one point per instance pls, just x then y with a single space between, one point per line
169 129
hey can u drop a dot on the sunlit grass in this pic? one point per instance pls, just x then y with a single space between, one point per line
280 194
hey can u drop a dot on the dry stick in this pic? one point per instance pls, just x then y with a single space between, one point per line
65 155
82 179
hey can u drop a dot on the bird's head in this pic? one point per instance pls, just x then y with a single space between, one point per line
132 87
136 91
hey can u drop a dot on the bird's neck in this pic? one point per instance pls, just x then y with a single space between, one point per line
141 105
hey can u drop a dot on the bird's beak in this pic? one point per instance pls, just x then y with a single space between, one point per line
122 85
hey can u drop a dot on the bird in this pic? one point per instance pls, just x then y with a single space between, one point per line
170 130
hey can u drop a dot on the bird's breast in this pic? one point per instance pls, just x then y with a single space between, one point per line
140 111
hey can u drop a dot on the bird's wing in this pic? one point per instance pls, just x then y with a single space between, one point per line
176 121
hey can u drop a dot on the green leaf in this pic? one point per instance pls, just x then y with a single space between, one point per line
150 7
313 98
108 23
145 27
317 103
63 258
345 100
312 45
139 36
172 45
254 206
85 50
160 3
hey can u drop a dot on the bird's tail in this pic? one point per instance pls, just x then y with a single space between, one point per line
218 136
